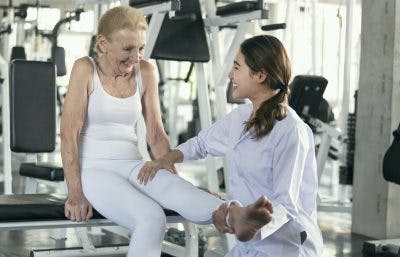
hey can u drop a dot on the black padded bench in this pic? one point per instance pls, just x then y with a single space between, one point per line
32 210
46 211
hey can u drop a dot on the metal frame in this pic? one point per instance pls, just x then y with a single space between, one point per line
158 12
329 133
88 249
172 5
219 21
6 127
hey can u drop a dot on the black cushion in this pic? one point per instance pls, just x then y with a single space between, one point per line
51 173
58 55
18 52
32 207
36 207
145 3
182 38
238 7
391 161
32 106
306 95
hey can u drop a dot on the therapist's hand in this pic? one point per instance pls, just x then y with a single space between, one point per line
219 219
150 169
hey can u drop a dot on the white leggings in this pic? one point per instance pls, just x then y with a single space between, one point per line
113 190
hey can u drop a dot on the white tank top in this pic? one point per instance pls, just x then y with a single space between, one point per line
109 131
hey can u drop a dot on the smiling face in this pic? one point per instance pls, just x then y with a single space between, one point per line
123 49
246 83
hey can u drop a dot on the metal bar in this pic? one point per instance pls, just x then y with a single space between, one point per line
104 251
173 249
347 65
6 127
314 37
158 8
233 19
191 239
154 29
22 225
205 121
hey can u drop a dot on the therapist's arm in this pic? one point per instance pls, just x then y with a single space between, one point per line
150 168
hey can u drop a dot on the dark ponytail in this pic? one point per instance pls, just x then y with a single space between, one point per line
267 54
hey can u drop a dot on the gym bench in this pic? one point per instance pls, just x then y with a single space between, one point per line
46 211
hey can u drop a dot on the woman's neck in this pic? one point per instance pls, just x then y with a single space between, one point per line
107 70
260 98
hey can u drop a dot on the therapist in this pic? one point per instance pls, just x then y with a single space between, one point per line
269 152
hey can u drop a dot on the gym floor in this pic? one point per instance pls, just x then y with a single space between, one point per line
338 240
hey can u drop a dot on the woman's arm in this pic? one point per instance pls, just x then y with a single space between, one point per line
155 133
73 115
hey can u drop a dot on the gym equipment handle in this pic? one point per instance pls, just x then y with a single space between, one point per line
274 26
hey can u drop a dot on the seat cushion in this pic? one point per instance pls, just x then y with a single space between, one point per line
144 3
46 172
238 7
36 207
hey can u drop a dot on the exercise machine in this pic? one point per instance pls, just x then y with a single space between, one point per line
391 173
32 129
306 97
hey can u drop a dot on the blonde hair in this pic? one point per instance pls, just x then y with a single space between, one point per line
121 17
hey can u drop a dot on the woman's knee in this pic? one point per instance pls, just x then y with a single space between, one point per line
154 221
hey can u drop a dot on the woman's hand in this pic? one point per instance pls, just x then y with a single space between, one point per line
219 219
149 169
78 208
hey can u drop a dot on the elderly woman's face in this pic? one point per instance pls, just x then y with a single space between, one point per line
125 48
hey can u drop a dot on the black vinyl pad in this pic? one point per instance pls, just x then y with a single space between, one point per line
391 161
238 7
144 3
306 94
32 106
39 207
182 38
47 172
18 52
58 55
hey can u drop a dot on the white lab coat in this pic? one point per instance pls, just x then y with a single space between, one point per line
281 166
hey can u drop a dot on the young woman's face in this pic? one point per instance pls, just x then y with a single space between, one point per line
125 48
244 85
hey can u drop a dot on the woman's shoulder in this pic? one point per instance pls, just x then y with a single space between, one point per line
290 122
243 109
84 64
146 67
82 74
240 113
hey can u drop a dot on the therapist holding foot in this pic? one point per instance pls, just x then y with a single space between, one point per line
269 152
100 155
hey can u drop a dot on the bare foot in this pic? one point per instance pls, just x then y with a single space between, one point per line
247 221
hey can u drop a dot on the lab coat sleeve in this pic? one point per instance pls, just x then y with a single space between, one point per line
213 141
289 159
